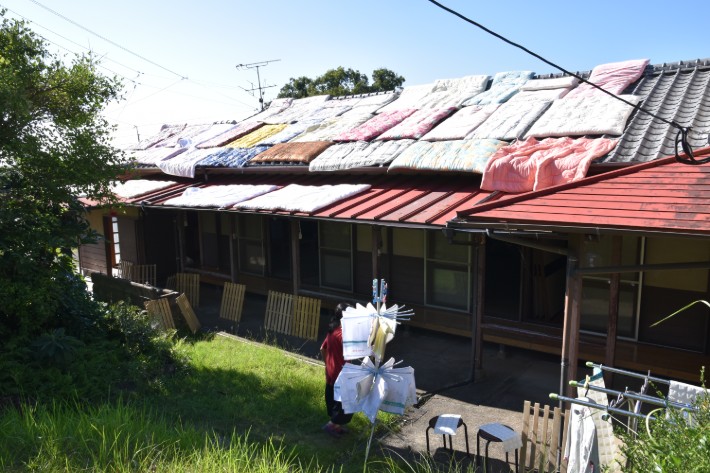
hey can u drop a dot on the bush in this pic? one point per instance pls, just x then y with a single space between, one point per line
674 441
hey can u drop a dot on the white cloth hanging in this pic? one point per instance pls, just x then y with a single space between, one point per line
581 450
366 388
357 327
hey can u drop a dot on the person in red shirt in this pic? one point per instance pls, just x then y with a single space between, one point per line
332 352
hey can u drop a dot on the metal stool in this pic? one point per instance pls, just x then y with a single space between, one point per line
432 424
489 437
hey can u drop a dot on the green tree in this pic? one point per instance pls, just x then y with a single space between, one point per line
54 146
341 81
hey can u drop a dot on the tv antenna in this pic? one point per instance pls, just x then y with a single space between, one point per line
260 88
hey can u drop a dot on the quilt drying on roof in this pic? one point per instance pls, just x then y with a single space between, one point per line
593 115
459 90
503 87
136 187
375 126
166 131
183 139
532 165
218 196
417 124
232 134
461 123
511 120
184 164
231 157
459 155
299 109
359 154
256 136
302 153
329 129
287 134
307 199
214 130
152 156
545 89
613 77
410 97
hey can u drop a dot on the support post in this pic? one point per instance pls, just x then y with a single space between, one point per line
479 295
568 332
295 256
376 249
613 322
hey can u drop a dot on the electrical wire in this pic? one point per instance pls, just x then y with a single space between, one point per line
682 134
54 12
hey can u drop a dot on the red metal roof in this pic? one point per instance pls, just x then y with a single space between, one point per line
410 200
659 196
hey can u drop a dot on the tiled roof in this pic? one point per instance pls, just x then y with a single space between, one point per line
677 92
662 196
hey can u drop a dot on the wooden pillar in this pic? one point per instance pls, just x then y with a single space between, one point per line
376 250
570 329
479 294
295 255
180 222
613 322
233 250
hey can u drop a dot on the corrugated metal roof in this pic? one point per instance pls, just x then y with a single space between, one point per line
678 92
403 200
661 196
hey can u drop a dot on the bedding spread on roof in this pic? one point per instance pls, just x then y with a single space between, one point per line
458 155
417 124
137 187
299 198
358 154
461 123
545 89
302 153
511 120
231 134
593 115
152 156
375 126
231 157
184 164
503 87
613 77
219 196
532 165
166 131
256 136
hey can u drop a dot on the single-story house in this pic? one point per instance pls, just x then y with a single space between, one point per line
319 196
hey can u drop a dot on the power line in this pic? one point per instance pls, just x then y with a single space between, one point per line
54 12
681 136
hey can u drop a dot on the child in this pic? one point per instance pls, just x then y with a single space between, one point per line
332 352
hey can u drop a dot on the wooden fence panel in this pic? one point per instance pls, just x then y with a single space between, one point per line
544 431
143 274
306 318
232 302
124 269
189 284
161 311
187 312
279 312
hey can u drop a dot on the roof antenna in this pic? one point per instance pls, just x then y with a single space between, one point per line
260 88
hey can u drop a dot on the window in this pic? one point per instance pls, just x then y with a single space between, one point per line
115 238
251 249
447 272
215 231
335 243
596 289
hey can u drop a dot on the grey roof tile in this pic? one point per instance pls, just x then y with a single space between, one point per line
677 92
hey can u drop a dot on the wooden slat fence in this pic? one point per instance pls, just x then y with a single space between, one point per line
124 269
298 316
187 312
232 302
189 284
161 311
306 318
544 431
143 274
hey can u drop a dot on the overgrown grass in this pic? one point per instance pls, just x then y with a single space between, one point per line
239 407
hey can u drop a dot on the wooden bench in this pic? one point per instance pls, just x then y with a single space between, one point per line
188 313
161 311
544 435
292 315
232 302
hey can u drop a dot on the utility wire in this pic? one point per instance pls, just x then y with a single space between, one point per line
54 12
682 135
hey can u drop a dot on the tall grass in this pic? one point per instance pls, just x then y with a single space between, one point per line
239 407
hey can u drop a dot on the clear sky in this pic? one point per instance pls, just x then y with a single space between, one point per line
178 59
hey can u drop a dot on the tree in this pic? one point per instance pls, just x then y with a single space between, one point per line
341 81
54 146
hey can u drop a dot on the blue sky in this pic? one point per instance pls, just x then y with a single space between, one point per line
152 45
